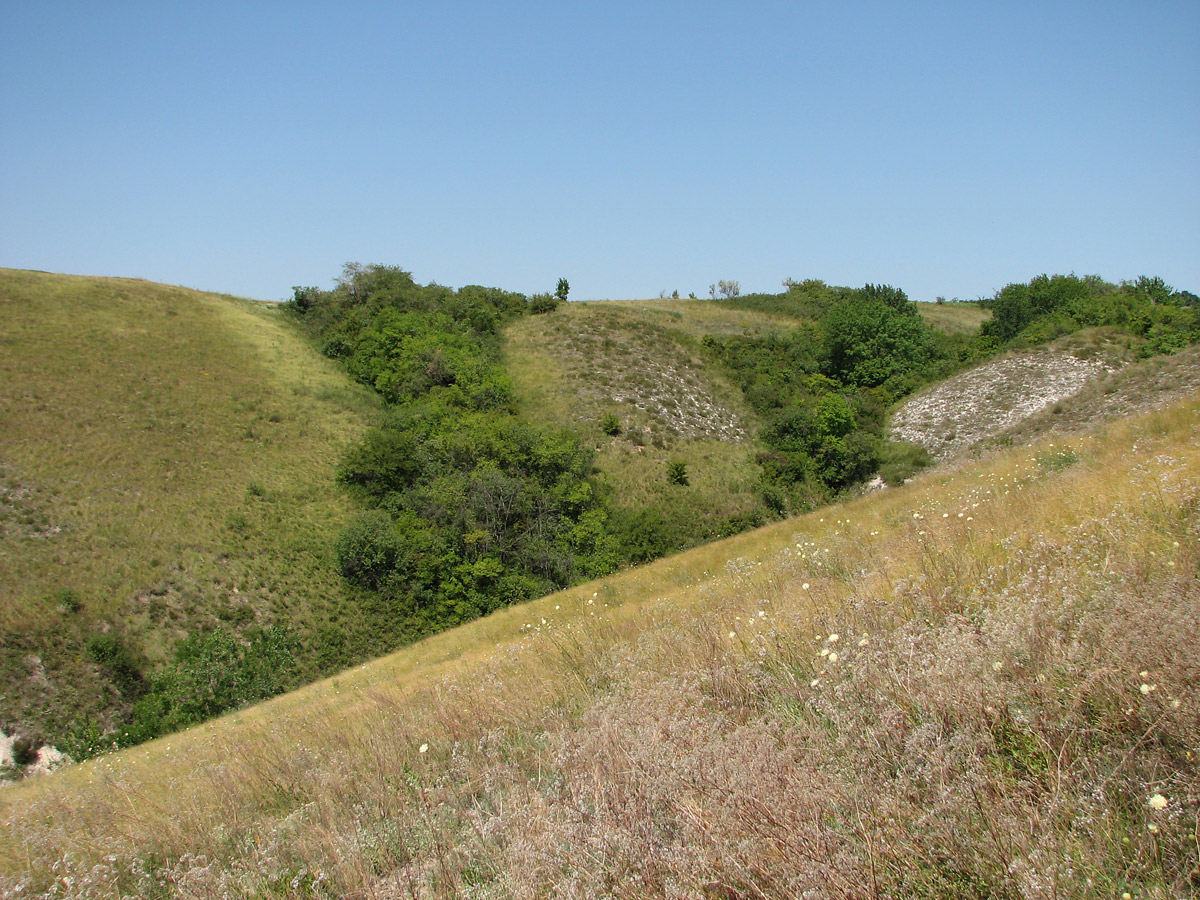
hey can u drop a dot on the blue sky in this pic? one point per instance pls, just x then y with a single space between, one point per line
945 148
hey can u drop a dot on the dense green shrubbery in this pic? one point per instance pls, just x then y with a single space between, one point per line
1052 305
822 387
212 673
471 508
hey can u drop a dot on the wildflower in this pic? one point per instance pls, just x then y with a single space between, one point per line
833 657
804 586
424 748
1147 688
1152 828
732 635
814 682
824 651
864 641
833 638
1158 801
997 666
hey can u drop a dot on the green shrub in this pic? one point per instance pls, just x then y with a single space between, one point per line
213 673
900 460
369 550
543 303
24 752
610 424
677 473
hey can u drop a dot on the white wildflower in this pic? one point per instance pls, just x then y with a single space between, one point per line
1157 801
424 748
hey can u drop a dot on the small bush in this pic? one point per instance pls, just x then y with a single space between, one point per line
543 303
677 473
24 752
902 460
610 425
68 601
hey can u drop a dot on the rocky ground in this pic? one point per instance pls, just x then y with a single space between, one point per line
1024 394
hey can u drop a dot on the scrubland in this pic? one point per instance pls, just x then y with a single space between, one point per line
985 683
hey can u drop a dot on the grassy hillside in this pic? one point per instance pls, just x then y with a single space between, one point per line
982 684
166 466
641 364
954 318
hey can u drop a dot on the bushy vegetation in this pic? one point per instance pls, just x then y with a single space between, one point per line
471 507
1048 306
822 388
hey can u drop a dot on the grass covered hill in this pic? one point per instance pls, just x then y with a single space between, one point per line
983 683
166 467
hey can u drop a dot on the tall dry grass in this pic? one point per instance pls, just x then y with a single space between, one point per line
983 684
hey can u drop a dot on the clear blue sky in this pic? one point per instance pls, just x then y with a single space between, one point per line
946 148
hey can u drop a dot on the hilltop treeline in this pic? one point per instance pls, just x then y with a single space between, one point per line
1162 318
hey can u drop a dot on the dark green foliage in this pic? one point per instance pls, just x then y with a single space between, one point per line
472 508
647 534
370 549
610 424
677 473
24 752
561 291
874 338
211 674
1053 305
822 388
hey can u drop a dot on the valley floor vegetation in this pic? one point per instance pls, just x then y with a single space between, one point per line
984 683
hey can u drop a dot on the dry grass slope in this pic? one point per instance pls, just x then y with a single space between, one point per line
983 684
167 463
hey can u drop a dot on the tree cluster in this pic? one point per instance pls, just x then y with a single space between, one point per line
471 508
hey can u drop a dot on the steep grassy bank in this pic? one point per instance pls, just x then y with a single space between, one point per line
166 466
982 684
